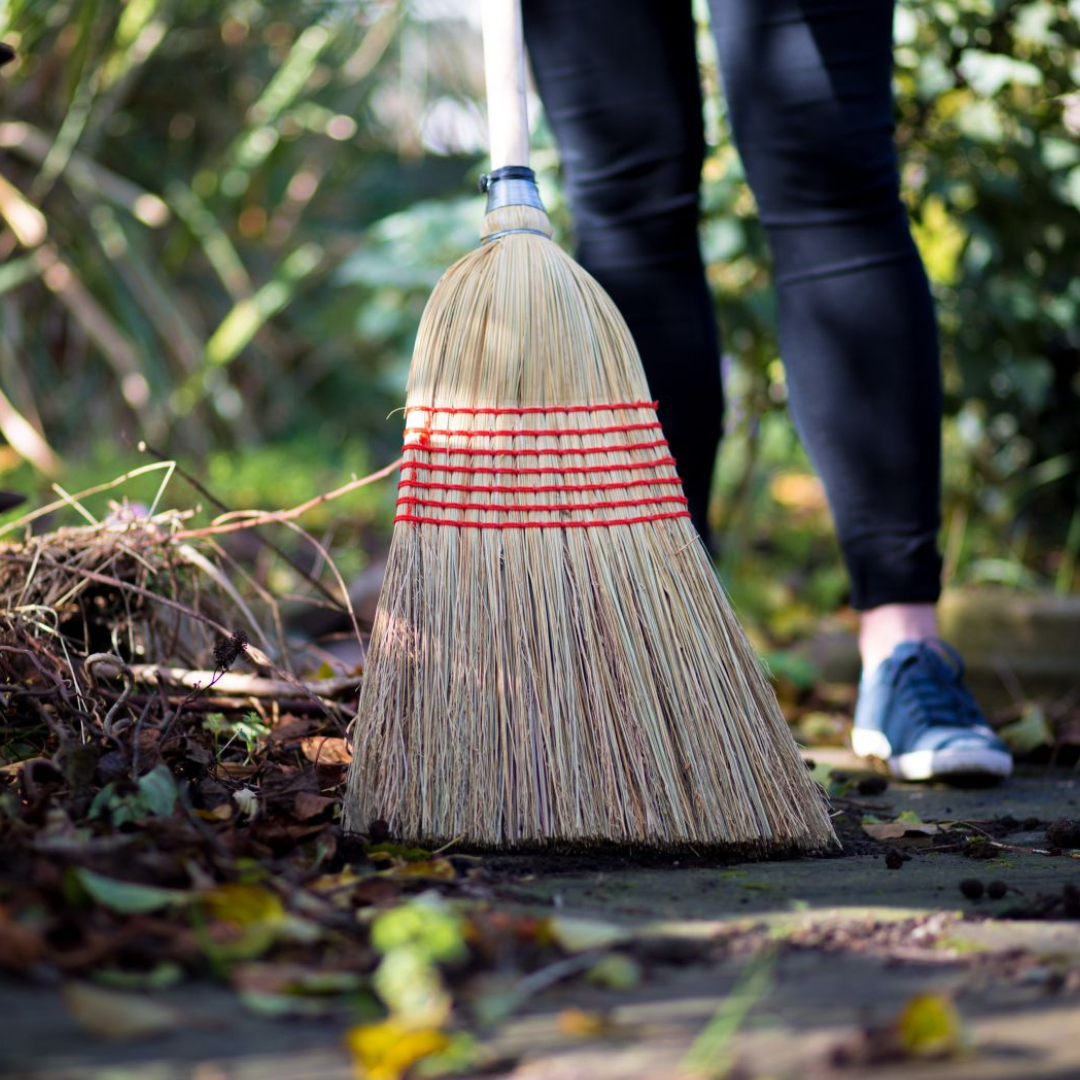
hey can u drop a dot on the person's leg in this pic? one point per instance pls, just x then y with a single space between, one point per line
619 83
808 84
809 94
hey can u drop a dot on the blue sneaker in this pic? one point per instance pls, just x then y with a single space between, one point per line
915 713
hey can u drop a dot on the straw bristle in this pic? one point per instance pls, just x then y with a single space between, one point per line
583 681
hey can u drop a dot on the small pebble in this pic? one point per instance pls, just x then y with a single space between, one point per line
1064 834
894 860
872 785
972 888
996 890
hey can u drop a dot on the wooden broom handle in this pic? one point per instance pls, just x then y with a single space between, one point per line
504 74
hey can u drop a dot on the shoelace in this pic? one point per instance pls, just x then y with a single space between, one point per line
930 677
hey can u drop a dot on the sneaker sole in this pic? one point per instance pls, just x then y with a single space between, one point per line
944 764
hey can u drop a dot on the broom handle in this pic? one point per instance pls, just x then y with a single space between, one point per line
504 74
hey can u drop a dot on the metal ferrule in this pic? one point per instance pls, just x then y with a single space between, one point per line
513 185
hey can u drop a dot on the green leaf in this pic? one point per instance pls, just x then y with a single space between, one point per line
159 791
425 924
1028 733
127 897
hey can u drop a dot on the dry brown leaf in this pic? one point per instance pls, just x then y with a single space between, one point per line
116 1016
326 750
307 805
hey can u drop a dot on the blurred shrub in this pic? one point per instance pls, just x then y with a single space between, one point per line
181 180
219 222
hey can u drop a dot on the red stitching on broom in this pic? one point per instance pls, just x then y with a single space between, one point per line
565 469
542 508
450 410
426 433
532 452
540 524
535 490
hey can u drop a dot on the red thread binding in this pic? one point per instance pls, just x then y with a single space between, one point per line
532 433
415 519
536 490
565 469
451 411
532 452
542 508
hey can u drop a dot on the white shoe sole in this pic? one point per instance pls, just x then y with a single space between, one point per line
937 764
929 764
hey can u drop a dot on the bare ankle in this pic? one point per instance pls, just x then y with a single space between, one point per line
882 629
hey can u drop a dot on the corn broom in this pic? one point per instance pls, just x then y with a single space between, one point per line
553 659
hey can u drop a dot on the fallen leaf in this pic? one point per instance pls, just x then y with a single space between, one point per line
615 971
929 1026
326 750
432 868
308 806
583 1024
243 905
897 830
113 1015
579 935
159 791
1030 732
334 884
128 897
388 1050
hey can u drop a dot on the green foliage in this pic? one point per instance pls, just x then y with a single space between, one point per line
187 179
221 221
247 731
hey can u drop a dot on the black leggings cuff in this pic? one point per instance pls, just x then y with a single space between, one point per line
891 571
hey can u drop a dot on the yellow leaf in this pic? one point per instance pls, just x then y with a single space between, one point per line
243 905
432 868
929 1026
386 1051
584 1024
339 883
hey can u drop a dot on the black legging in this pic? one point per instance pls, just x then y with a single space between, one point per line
808 85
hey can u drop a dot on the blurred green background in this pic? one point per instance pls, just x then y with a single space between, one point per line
219 222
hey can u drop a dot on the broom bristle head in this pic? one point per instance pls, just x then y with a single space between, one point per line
553 658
